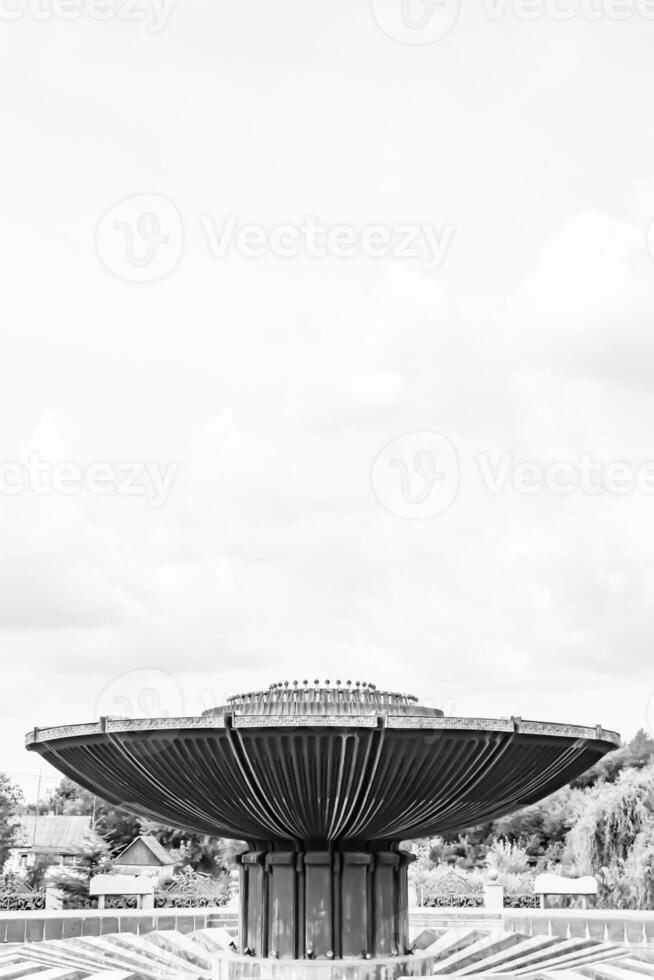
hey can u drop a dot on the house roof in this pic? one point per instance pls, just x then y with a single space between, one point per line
157 850
52 835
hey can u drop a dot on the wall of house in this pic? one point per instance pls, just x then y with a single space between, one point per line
159 873
18 865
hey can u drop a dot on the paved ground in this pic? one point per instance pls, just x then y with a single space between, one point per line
169 955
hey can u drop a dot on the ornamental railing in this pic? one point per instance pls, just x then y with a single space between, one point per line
17 896
192 890
454 891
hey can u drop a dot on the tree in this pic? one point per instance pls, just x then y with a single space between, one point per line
119 827
208 855
38 872
74 883
636 754
11 797
507 857
609 819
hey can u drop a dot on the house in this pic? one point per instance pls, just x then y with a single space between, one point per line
63 838
145 856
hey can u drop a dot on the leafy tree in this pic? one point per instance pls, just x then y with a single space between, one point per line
208 855
609 819
509 857
39 871
73 883
11 798
118 827
636 754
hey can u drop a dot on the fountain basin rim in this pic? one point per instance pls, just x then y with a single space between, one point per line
107 726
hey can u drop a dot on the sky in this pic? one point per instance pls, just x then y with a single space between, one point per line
326 351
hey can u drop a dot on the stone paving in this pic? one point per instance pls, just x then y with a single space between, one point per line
477 951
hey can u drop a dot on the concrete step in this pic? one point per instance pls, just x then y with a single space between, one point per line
644 968
16 969
109 956
644 956
571 959
60 952
147 946
423 938
609 971
183 946
561 975
476 953
56 973
452 942
110 975
212 940
503 961
38 959
540 958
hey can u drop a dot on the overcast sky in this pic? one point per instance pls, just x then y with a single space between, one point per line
296 404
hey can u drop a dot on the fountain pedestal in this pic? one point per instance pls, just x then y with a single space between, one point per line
322 903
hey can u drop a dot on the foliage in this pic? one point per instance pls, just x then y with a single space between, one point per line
603 824
11 798
73 883
508 857
198 886
609 818
118 827
208 855
38 873
613 837
636 754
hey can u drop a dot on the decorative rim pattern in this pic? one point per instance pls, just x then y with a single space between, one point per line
371 720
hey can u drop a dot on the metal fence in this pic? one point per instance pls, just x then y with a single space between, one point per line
17 896
455 890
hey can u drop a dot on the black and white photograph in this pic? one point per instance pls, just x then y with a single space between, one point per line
326 489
